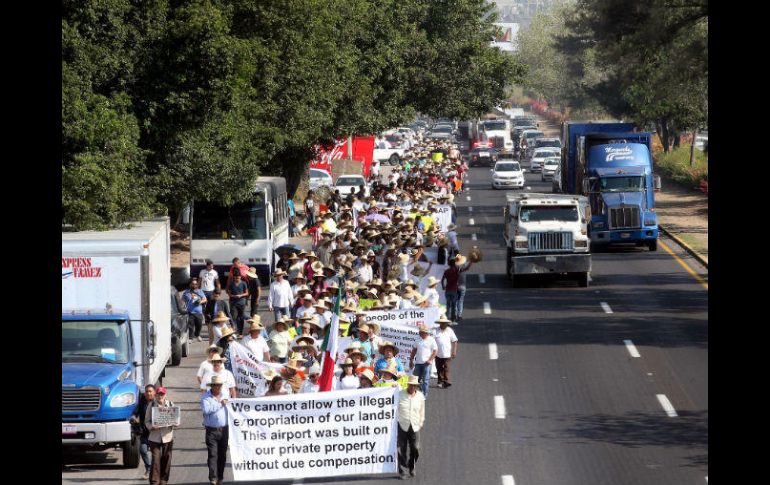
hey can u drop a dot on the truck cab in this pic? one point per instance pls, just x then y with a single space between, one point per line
547 233
99 380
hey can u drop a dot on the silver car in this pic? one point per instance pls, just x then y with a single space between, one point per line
549 168
320 178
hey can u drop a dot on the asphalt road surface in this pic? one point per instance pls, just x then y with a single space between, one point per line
553 384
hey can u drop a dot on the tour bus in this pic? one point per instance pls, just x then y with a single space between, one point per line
249 231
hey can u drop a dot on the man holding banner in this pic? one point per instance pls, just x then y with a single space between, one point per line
214 407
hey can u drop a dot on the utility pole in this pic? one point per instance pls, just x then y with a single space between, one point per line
692 149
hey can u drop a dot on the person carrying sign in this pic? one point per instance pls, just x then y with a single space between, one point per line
161 440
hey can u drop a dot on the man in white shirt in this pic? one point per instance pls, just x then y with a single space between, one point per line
422 357
206 364
432 293
446 340
411 416
209 280
255 342
307 309
228 386
280 298
452 236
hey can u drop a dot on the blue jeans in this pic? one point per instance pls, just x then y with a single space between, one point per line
460 300
423 372
451 304
144 452
278 312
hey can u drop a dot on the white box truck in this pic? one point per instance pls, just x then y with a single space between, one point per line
116 330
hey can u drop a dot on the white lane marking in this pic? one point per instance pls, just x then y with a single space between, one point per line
470 209
492 351
606 307
471 222
487 308
631 348
467 197
663 400
482 278
473 236
508 480
499 407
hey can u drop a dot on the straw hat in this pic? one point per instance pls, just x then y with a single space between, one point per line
353 348
424 329
314 370
387 344
420 299
451 227
281 322
410 282
227 332
270 374
215 357
311 254
279 272
321 303
317 266
348 362
221 317
363 328
217 349
255 323
432 281
392 370
252 272
443 319
216 381
460 259
413 381
294 364
367 374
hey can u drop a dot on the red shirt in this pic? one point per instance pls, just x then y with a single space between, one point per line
452 276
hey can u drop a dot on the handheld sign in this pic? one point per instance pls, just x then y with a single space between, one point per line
166 416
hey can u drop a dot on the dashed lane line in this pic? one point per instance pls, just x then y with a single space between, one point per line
499 407
606 307
663 400
487 308
631 348
492 351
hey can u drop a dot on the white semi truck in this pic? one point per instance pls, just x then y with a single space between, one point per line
116 331
547 234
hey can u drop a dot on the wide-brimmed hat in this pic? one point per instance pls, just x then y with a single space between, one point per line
443 319
371 292
216 381
317 266
451 227
215 357
294 364
227 332
279 272
221 317
315 369
216 348
252 272
392 370
311 254
307 297
424 329
270 374
387 344
281 322
363 328
411 283
413 381
420 299
355 348
348 362
255 323
367 374
321 303
460 259
432 281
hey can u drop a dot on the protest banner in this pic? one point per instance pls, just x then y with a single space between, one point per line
443 216
405 337
329 434
247 371
413 317
166 416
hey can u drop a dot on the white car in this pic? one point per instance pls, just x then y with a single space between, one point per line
549 168
507 174
347 182
539 156
320 178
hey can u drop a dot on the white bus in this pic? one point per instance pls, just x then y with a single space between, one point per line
249 231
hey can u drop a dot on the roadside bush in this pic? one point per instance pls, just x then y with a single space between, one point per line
676 164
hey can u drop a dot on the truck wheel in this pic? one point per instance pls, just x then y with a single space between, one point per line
583 279
653 245
186 348
131 452
176 353
394 159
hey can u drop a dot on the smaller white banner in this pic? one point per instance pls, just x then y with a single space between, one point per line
166 416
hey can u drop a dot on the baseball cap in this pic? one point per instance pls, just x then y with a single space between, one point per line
160 390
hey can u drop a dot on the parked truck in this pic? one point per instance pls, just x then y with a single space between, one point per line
116 331
547 234
612 165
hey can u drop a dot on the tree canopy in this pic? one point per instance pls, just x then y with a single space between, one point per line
164 101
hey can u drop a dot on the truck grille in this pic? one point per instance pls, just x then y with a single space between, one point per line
625 218
498 141
550 241
83 399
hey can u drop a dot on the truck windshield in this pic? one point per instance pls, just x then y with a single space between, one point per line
548 213
494 125
94 341
245 220
622 184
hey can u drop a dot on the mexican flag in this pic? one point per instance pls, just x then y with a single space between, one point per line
329 347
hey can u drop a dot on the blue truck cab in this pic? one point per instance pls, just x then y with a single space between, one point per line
612 165
99 381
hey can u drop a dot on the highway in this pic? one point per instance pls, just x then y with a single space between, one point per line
553 384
